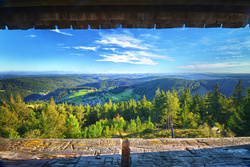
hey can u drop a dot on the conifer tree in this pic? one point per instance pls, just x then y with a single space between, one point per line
239 121
79 112
215 106
132 126
73 129
52 124
238 95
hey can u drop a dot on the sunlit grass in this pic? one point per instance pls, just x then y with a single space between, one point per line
78 93
126 95
76 96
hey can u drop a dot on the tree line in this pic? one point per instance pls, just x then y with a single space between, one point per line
51 120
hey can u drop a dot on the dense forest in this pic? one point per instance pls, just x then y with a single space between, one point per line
118 88
26 86
196 86
141 118
118 82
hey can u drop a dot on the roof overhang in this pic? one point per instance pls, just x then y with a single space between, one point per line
105 14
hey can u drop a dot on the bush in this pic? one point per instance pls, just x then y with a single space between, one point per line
149 136
147 130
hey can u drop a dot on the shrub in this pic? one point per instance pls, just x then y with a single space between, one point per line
147 130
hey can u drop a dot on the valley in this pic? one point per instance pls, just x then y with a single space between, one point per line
85 106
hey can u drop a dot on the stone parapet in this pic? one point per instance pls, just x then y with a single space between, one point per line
130 152
190 152
49 152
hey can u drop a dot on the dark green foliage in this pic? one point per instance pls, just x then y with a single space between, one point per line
240 120
62 92
137 118
149 88
147 130
226 85
117 82
238 95
198 86
28 86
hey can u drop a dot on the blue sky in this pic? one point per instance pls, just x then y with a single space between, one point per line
120 50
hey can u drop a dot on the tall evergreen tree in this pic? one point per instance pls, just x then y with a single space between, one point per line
73 129
215 104
239 121
52 123
238 95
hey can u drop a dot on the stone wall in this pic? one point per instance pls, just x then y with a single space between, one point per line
129 152
190 152
53 152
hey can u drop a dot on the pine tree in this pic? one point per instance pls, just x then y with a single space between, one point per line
215 104
9 123
186 96
239 122
79 112
238 95
73 129
52 123
132 126
138 123
195 107
184 115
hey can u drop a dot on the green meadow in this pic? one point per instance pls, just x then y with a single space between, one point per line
75 97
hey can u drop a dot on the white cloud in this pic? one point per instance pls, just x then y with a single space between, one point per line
86 48
60 32
32 36
216 65
150 36
235 47
128 57
231 53
113 49
134 57
66 47
147 54
124 41
238 56
76 54
206 41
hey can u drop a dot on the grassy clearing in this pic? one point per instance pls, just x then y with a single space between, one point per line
126 95
2 91
75 97
79 93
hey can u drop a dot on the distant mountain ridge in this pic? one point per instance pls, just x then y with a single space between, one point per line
110 83
60 86
196 86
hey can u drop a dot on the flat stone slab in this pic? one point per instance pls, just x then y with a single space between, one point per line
142 152
61 152
190 152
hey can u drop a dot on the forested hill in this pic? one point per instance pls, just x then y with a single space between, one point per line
196 86
149 88
118 82
226 85
26 86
